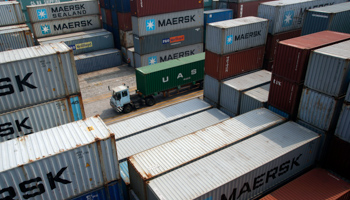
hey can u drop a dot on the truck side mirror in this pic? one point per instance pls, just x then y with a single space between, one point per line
109 88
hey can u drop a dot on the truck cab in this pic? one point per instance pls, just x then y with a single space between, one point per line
120 100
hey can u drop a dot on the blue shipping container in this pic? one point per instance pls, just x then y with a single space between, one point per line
208 3
217 15
124 174
115 19
112 192
277 111
122 6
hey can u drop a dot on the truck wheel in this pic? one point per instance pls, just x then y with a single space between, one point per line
127 108
150 101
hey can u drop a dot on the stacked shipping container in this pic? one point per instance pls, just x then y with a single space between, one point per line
245 8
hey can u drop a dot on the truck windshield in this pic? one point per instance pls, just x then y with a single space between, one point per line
117 95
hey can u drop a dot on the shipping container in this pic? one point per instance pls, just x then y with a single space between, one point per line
338 157
64 26
236 34
62 10
115 19
103 15
97 60
211 90
36 74
63 162
124 174
112 191
217 15
329 69
280 112
126 38
255 98
122 6
224 66
83 42
170 156
125 22
15 37
109 19
319 110
292 55
148 139
150 120
167 55
288 15
347 96
133 196
219 5
10 13
140 8
168 40
142 26
244 170
315 184
245 8
343 125
333 18
207 8
268 65
130 55
231 90
25 3
207 3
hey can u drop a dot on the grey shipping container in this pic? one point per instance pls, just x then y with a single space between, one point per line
149 25
25 3
319 110
255 98
231 90
98 60
145 140
126 38
329 68
211 89
288 15
83 42
347 96
15 37
244 170
61 162
11 13
36 74
236 34
41 117
64 26
169 156
343 126
168 40
130 52
162 56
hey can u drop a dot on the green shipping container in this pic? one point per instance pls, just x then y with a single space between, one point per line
170 74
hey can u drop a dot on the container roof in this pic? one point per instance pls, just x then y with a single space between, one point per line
336 8
237 22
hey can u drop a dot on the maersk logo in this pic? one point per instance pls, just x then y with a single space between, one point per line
42 14
152 60
45 29
150 25
229 39
288 18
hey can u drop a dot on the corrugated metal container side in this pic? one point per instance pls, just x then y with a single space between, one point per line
291 149
347 96
315 184
207 3
115 20
231 90
149 25
150 120
268 65
97 60
25 3
227 111
245 8
272 42
255 98
338 157
343 126
140 8
103 15
171 74
211 89
126 38
125 181
41 117
122 6
125 22
224 66
217 15
15 37
109 19
78 157
112 191
292 55
11 13
327 18
64 26
329 69
83 42
170 156
36 75
236 34
207 8
130 54
319 110
288 15
277 111
160 135
167 55
285 95
62 10
219 5
168 40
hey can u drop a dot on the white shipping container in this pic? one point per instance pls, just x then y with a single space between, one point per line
36 74
130 55
255 98
11 13
62 10
211 89
179 152
244 170
343 126
15 37
59 163
126 38
142 26
236 34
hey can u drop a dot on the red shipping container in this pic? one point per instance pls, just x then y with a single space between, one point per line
338 158
109 17
272 41
292 55
285 95
124 21
141 8
268 65
245 9
224 66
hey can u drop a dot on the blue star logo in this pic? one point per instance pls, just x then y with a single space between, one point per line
45 29
150 25
229 39
288 18
42 14
152 60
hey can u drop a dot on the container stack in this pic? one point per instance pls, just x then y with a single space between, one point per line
208 5
219 4
110 20
170 30
245 8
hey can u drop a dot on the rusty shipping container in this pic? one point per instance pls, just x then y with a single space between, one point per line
141 8
245 8
124 21
11 13
126 38
338 159
224 66
15 37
